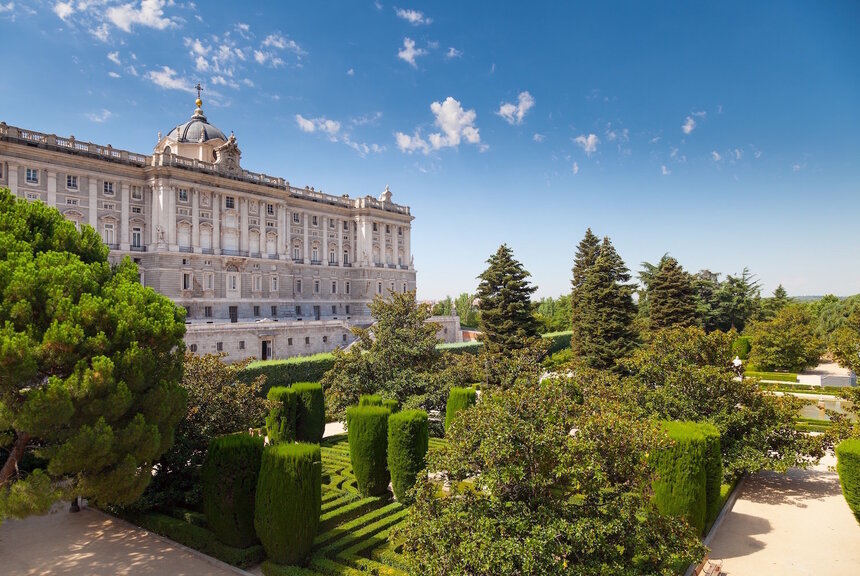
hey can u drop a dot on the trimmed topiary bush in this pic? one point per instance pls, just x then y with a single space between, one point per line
408 440
230 475
367 428
680 486
392 405
713 470
370 400
288 501
289 371
310 411
848 467
458 399
281 421
741 347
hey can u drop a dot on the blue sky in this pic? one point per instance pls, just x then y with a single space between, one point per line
723 133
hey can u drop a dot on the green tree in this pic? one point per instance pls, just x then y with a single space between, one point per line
530 497
91 362
845 342
671 296
583 260
554 314
736 301
787 342
770 306
706 284
507 321
604 311
443 307
464 304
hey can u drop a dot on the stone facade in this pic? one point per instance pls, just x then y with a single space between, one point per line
250 257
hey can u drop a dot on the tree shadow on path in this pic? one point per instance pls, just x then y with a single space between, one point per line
792 488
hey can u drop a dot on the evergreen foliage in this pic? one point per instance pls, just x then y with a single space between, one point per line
845 342
408 440
370 400
671 297
458 399
713 469
604 311
391 404
281 421
507 321
741 347
729 304
367 428
680 488
91 362
310 411
230 475
848 467
288 371
554 314
288 500
787 342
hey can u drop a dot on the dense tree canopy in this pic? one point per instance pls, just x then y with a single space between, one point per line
671 297
786 342
554 314
90 360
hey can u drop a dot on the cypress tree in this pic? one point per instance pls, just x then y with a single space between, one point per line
586 255
671 297
507 320
604 330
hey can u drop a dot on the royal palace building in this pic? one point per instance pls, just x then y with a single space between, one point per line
262 268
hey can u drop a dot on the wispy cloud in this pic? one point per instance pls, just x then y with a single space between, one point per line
453 53
409 52
587 143
538 137
166 78
333 130
279 42
244 30
100 116
665 171
414 17
113 74
62 9
715 156
350 72
689 125
514 113
149 14
455 124
114 57
576 168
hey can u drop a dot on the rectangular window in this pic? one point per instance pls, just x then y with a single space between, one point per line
347 287
314 220
229 202
136 237
307 340
332 257
346 256
345 225
274 311
210 281
316 286
387 229
289 341
346 308
108 206
219 346
193 348
375 227
379 288
107 188
32 176
183 195
274 285
270 209
325 339
299 286
404 288
71 201
344 337
71 182
33 196
136 210
399 231
241 344
270 223
334 309
186 281
136 193
334 287
108 233
295 217
258 284
296 253
298 310
256 310
232 282
207 311
331 223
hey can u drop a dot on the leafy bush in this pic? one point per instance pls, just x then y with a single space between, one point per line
408 440
848 467
474 347
787 342
370 400
392 405
741 347
558 341
458 399
680 488
289 371
560 358
713 470
281 421
288 500
310 411
367 427
229 483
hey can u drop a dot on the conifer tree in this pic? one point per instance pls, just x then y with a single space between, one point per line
605 311
507 320
586 255
671 297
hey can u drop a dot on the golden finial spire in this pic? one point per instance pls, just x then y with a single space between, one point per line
199 89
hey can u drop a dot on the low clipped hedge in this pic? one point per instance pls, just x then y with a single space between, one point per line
289 371
558 341
713 470
370 400
775 376
458 399
367 430
230 475
848 468
392 405
408 441
310 411
281 421
473 347
680 488
288 500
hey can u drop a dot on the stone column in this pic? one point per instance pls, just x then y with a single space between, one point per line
243 224
325 229
394 246
354 231
407 249
216 223
338 224
52 189
93 204
154 209
13 179
288 240
365 241
195 220
123 217
171 219
282 240
307 243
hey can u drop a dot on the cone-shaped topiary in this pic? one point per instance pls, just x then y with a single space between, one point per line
230 475
392 405
713 470
367 428
408 440
288 501
848 467
679 489
458 399
310 411
281 421
370 400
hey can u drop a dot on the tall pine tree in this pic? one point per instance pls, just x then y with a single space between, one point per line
586 256
507 320
671 297
605 311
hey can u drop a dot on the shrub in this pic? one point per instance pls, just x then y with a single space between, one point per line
473 347
680 486
848 467
370 400
367 428
458 399
229 483
289 371
713 470
281 421
558 341
310 411
408 440
391 404
741 347
288 501
789 377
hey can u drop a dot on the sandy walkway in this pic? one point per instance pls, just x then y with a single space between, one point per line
90 543
789 525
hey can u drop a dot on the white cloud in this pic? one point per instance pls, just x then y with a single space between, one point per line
132 70
8 7
576 168
305 125
366 119
455 123
332 130
62 9
201 64
197 47
715 156
220 80
665 171
100 116
114 57
166 78
244 30
410 144
654 140
114 75
514 113
414 17
738 153
150 14
538 137
409 52
798 167
587 143
453 53
350 72
101 32
689 125
279 42
620 135
248 82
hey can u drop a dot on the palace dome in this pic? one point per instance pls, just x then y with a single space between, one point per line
198 129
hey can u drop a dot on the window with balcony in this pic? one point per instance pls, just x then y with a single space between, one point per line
332 257
186 280
274 284
108 233
136 237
